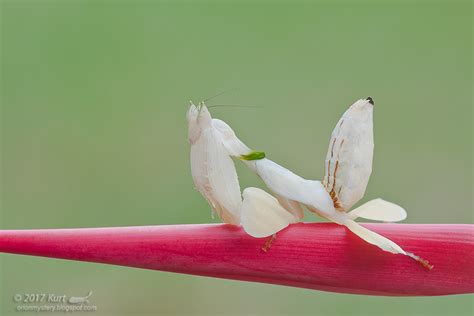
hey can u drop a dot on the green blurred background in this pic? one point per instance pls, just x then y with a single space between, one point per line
94 95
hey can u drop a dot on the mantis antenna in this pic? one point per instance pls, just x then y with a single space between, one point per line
218 94
235 106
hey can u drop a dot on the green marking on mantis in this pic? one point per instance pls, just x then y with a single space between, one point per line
254 155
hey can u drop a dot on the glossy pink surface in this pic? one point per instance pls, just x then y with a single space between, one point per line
319 256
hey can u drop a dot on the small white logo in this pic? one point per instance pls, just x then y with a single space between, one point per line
80 299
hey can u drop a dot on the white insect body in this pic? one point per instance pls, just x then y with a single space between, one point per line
348 167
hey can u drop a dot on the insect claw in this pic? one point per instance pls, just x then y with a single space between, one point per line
268 243
425 263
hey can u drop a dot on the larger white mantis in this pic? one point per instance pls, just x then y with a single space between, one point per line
348 167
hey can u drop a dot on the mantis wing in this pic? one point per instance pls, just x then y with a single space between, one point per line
379 210
262 215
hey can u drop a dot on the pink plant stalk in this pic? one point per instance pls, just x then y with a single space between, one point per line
319 256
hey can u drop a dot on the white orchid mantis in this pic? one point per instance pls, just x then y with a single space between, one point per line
212 145
348 167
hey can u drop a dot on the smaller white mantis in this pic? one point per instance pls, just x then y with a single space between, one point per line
348 169
215 177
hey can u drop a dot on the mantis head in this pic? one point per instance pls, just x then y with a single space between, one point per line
198 118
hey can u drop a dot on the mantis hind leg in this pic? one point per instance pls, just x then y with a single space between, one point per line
268 243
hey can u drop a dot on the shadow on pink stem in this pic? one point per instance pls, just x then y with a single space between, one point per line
320 256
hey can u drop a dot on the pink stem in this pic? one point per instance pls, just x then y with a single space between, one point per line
319 256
